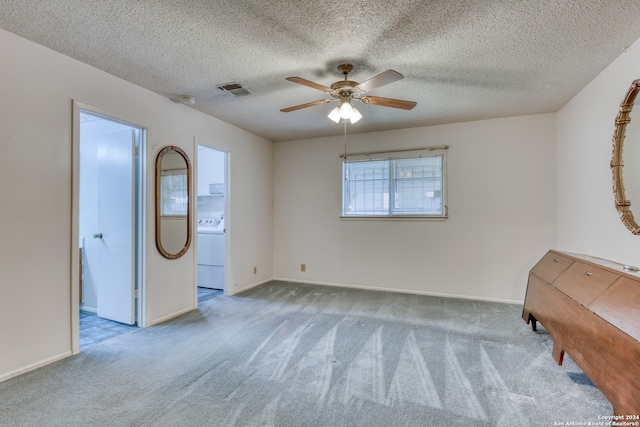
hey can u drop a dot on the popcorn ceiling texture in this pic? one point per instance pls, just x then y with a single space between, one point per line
462 60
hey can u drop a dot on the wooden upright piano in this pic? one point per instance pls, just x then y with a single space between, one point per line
591 308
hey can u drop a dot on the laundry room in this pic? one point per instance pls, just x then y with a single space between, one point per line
211 186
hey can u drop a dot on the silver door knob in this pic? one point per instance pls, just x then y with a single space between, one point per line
97 236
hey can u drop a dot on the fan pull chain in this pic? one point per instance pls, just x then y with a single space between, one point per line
345 141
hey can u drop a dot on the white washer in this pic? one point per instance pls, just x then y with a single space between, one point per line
210 253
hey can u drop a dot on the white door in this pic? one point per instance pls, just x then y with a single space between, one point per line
115 281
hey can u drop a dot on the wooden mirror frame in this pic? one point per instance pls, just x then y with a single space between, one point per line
623 205
161 249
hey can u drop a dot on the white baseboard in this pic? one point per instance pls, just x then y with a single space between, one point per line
33 366
253 285
88 309
171 316
178 313
401 291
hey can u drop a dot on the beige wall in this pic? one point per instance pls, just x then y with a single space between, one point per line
37 87
587 219
501 213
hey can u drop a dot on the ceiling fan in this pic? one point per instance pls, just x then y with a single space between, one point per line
346 91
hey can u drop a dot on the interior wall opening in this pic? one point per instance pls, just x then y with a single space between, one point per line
212 223
110 226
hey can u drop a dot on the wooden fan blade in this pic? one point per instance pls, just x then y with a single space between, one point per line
308 104
309 83
380 80
388 102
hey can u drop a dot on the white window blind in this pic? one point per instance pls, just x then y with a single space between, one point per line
402 183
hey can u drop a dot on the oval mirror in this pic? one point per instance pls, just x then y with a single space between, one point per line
173 205
626 181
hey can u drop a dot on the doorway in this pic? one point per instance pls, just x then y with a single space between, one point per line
212 222
110 224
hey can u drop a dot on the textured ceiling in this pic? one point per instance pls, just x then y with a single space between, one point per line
462 59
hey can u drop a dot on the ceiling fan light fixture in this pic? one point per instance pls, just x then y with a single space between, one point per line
355 115
346 91
346 110
335 115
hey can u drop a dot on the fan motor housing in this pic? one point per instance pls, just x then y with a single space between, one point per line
344 88
344 85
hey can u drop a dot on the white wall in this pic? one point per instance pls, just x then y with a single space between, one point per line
213 170
587 220
501 213
37 87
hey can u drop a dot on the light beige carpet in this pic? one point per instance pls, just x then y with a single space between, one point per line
287 354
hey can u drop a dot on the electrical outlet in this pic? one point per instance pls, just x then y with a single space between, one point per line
303 267
255 270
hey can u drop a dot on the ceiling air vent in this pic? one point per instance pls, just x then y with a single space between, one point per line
234 88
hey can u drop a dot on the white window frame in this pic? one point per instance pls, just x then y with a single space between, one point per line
388 155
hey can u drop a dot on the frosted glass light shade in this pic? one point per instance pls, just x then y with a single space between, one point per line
355 116
335 115
346 110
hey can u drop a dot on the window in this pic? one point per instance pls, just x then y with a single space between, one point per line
402 183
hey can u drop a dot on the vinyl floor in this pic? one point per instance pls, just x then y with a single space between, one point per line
95 329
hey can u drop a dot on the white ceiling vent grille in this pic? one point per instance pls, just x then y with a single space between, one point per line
234 88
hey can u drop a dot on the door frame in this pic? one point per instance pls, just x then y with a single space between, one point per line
140 182
227 217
